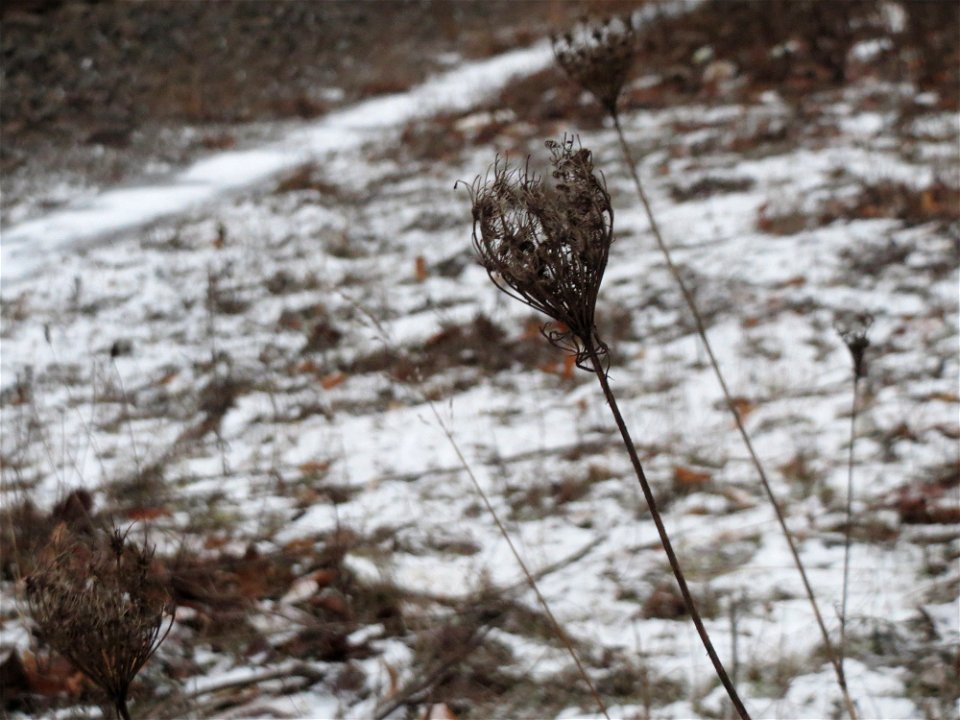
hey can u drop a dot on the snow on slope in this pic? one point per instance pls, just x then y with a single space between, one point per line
28 245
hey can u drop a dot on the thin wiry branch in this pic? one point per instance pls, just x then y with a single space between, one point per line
530 578
853 332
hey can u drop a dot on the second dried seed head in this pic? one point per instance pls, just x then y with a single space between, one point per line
599 56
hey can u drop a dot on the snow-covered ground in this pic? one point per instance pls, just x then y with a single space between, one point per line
30 245
339 319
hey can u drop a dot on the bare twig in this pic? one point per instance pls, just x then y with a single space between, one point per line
299 670
734 650
849 520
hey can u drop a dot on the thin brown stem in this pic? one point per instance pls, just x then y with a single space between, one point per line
731 405
734 633
122 712
849 520
665 538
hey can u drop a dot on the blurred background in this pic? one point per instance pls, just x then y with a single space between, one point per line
96 92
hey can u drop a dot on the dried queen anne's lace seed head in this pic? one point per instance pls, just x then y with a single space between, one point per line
599 56
547 244
96 602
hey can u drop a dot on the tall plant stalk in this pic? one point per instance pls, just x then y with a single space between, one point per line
847 525
547 245
835 656
854 336
599 59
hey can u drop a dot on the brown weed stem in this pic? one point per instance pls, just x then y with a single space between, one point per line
548 246
848 521
665 538
599 58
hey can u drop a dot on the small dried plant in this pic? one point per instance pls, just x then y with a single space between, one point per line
853 331
547 245
607 50
96 601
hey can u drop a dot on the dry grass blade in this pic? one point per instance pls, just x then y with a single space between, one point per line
528 575
557 628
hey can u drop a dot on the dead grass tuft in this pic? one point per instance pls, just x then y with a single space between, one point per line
936 203
25 530
308 177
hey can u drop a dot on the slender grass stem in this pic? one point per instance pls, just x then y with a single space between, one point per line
389 343
849 521
557 628
664 537
731 405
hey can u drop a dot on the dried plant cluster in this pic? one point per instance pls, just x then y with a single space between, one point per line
96 601
547 244
599 57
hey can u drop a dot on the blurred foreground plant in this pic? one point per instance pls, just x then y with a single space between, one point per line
547 245
96 601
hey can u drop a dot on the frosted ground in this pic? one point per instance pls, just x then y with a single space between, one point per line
268 364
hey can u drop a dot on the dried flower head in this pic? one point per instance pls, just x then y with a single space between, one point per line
599 56
853 331
547 244
97 602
